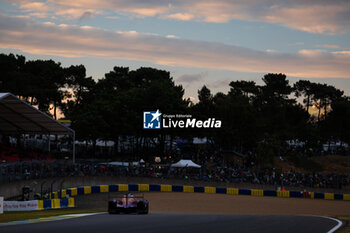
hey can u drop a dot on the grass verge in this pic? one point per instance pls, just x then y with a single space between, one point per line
25 215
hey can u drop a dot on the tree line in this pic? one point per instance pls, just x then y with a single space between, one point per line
258 118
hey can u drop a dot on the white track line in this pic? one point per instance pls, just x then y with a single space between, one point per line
334 229
82 215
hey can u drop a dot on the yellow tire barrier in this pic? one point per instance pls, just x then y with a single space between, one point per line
144 187
283 194
257 192
87 189
232 191
210 189
165 188
123 187
188 189
104 188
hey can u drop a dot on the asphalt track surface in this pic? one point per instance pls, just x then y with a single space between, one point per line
183 223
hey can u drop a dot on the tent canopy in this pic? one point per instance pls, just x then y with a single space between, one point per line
185 163
200 141
17 116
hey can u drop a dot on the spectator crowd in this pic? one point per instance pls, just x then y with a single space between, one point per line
32 165
234 175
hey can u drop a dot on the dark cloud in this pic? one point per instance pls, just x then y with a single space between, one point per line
190 78
86 15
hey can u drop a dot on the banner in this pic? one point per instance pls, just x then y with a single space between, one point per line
1 205
20 205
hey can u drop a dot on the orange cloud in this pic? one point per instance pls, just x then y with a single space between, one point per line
147 11
74 41
328 46
328 17
311 18
34 6
311 52
181 16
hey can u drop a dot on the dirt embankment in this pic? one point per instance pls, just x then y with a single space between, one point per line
225 204
326 163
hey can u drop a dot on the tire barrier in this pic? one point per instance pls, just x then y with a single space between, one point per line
56 203
71 192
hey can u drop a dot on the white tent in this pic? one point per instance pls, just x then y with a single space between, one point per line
200 140
185 163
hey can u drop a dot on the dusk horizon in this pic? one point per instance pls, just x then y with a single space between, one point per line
198 42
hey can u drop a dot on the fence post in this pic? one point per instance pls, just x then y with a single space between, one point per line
52 189
61 188
41 190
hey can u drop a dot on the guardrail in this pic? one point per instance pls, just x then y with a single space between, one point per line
71 192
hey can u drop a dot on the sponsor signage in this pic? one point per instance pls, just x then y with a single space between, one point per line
157 120
1 205
20 205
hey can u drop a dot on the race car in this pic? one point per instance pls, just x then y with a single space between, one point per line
128 203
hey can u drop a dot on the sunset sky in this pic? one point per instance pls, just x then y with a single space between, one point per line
198 41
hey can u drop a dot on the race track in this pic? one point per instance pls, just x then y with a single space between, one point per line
191 223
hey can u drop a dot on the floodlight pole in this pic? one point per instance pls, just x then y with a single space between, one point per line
73 147
1 175
61 188
41 189
52 189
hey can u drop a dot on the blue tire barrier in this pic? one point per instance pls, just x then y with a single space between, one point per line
319 195
80 190
154 187
178 188
95 189
198 189
47 204
133 187
64 203
296 194
270 193
221 190
244 192
338 196
113 188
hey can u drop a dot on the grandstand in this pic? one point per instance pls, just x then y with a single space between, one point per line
19 118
